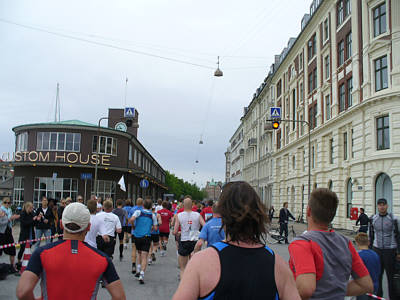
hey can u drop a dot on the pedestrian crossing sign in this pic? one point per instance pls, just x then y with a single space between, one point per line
275 112
129 112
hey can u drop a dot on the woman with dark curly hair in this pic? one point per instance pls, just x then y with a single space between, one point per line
241 266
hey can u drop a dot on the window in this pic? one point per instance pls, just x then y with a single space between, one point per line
341 53
312 80
340 12
140 159
301 92
135 156
22 141
352 143
312 47
327 67
379 19
279 88
313 157
54 188
349 196
326 29
349 92
312 115
105 189
382 133
301 125
108 145
294 162
381 75
278 140
328 106
130 152
301 62
348 46
304 159
294 107
345 146
341 98
331 160
347 7
18 195
58 141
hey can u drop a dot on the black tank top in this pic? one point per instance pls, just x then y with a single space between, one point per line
246 274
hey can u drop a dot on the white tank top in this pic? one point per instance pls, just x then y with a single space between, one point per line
190 225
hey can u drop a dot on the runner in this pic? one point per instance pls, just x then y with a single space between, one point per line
207 212
123 217
109 225
155 238
166 217
127 228
70 269
212 232
241 267
159 205
91 235
323 260
139 206
143 220
190 222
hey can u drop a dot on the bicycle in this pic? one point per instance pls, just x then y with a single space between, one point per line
273 236
292 233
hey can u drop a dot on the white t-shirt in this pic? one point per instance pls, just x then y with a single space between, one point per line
190 225
109 223
90 237
158 207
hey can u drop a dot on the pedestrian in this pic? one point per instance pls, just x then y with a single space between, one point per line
189 221
371 261
6 237
166 217
284 215
91 235
385 239
143 221
79 199
123 219
241 266
53 224
109 225
68 201
271 212
60 210
323 260
159 205
27 230
99 203
70 269
126 226
155 237
207 212
363 220
212 232
44 219
173 206
138 206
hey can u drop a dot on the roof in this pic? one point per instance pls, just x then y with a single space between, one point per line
67 122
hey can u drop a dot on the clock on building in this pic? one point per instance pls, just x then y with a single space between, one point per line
121 126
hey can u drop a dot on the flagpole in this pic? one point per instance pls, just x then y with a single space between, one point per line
126 89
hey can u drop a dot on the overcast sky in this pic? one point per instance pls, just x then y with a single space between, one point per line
177 102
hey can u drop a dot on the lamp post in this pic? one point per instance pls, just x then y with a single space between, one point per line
309 160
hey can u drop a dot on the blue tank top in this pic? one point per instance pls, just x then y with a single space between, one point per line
143 224
158 227
254 281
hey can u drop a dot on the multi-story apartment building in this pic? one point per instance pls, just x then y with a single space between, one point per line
341 76
235 156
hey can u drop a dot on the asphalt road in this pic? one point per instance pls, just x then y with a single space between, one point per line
161 278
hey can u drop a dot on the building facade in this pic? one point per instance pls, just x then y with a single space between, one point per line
213 189
235 157
60 159
340 77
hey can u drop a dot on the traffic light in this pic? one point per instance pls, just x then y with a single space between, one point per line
275 124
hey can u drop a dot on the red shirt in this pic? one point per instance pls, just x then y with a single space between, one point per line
206 213
166 216
174 206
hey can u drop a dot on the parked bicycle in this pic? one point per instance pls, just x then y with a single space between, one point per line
273 235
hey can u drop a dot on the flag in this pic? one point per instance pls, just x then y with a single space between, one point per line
121 183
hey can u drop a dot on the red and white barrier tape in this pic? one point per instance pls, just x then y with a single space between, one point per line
18 244
375 296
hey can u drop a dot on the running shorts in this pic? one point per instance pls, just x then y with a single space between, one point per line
143 243
155 238
164 234
186 247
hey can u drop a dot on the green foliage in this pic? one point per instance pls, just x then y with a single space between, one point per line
179 187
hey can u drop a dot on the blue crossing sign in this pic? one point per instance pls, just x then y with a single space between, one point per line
144 183
129 112
275 112
86 176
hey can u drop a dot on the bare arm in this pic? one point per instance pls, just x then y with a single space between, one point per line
116 290
189 287
284 280
198 246
176 225
360 286
159 220
306 285
202 222
26 285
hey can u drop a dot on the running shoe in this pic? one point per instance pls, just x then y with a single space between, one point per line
150 261
137 275
141 278
153 257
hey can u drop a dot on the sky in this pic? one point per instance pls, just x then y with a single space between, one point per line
168 51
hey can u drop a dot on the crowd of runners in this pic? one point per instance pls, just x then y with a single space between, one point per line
323 264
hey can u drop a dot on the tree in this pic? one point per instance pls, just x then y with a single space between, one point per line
179 187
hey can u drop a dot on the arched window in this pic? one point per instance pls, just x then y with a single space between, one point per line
384 189
330 185
292 200
349 194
